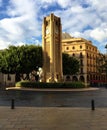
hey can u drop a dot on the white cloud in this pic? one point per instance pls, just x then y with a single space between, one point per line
88 22
18 8
4 44
19 44
80 18
70 3
98 4
22 22
11 26
77 34
99 34
47 1
64 3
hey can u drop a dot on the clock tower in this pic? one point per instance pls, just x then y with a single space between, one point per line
52 49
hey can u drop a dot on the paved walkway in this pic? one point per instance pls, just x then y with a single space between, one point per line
52 118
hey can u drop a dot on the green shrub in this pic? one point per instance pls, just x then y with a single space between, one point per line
29 84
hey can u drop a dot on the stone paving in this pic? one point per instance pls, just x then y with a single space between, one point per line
52 118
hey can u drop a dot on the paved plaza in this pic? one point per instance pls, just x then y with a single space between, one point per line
47 110
52 118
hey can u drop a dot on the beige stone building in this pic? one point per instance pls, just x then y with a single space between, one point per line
87 54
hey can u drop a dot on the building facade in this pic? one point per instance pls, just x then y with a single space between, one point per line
52 49
7 80
87 54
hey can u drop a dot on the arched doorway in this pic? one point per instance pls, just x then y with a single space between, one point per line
68 78
74 78
82 78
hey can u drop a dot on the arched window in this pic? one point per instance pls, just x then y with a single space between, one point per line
67 48
73 54
81 55
73 47
80 47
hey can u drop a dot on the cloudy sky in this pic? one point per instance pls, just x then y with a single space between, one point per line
21 20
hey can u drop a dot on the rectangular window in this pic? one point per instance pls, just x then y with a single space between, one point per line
9 77
81 71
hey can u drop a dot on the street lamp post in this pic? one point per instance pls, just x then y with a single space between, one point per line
106 48
106 62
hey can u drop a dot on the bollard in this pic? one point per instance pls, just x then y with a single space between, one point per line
92 105
12 104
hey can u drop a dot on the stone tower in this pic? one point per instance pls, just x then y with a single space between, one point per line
52 49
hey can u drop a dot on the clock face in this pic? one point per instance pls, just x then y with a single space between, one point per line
47 31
